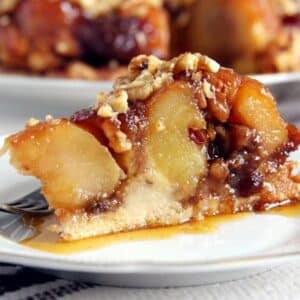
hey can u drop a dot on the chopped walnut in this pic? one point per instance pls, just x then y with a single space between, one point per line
106 111
146 75
51 120
48 118
123 144
186 62
208 64
118 140
143 62
32 122
119 101
109 106
207 88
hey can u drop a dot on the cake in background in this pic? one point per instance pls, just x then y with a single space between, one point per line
253 36
93 39
79 38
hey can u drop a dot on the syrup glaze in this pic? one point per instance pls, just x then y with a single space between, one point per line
48 241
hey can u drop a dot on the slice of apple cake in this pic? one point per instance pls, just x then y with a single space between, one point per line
174 141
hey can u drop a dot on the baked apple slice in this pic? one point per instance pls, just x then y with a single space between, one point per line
174 141
74 167
172 114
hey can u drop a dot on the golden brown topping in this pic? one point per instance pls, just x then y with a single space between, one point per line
32 122
48 119
208 64
119 101
186 62
109 106
147 74
106 111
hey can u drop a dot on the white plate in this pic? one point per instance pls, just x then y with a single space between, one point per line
238 248
22 97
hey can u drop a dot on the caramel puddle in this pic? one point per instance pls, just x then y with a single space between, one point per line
48 241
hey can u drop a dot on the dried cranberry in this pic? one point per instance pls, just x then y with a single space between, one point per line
112 36
249 185
291 20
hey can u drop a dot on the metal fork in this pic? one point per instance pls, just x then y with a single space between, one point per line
33 204
12 215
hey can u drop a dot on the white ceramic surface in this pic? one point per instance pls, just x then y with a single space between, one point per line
238 248
23 97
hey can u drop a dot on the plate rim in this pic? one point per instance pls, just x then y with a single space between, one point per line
149 267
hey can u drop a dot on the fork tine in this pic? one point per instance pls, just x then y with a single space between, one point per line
33 203
25 204
11 221
12 227
35 195
6 225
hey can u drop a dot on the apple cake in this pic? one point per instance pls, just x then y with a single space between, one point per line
94 39
174 141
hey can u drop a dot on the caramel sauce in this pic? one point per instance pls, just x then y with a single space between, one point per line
46 240
291 211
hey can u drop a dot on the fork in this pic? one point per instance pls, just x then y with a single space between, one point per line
33 204
12 225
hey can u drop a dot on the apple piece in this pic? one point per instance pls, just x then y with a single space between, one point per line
255 108
172 113
74 168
